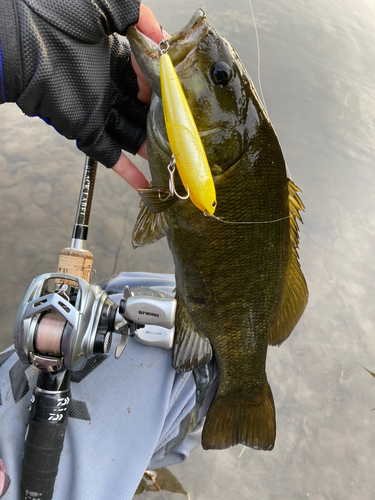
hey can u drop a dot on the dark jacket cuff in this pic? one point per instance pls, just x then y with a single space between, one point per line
10 57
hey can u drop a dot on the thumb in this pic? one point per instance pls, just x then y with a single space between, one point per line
148 25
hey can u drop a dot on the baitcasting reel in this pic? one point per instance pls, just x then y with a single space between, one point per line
64 320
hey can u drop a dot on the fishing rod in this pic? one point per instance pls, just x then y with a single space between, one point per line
62 321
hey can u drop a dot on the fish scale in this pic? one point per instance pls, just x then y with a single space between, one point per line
239 287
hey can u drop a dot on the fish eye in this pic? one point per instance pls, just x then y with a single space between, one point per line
221 73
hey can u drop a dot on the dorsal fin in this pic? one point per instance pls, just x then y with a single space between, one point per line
295 293
191 349
148 228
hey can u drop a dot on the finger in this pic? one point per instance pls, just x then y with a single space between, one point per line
148 25
144 92
130 173
4 479
143 150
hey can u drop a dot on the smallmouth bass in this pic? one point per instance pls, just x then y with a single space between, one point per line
239 287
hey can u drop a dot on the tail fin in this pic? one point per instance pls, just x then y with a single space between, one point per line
230 422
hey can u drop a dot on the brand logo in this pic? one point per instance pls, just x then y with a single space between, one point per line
149 332
147 313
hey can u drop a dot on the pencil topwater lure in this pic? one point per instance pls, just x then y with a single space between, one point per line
184 139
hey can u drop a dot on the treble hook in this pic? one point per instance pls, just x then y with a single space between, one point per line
172 188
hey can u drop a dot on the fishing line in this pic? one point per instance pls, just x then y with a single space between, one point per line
258 49
256 222
243 449
259 80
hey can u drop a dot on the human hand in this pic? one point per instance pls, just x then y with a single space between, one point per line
75 72
125 168
4 479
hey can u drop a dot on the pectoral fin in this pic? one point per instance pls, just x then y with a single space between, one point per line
295 293
149 227
191 349
157 199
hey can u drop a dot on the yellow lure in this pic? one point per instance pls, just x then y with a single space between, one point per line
186 145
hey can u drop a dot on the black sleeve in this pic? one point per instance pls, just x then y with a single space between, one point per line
63 61
10 56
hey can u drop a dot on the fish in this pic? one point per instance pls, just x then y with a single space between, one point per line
239 283
184 139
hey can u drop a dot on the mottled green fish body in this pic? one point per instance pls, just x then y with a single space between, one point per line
239 285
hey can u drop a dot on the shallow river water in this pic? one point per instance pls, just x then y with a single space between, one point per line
317 69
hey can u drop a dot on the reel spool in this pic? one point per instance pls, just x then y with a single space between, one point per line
55 331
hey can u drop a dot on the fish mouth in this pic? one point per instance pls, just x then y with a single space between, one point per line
147 51
181 48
